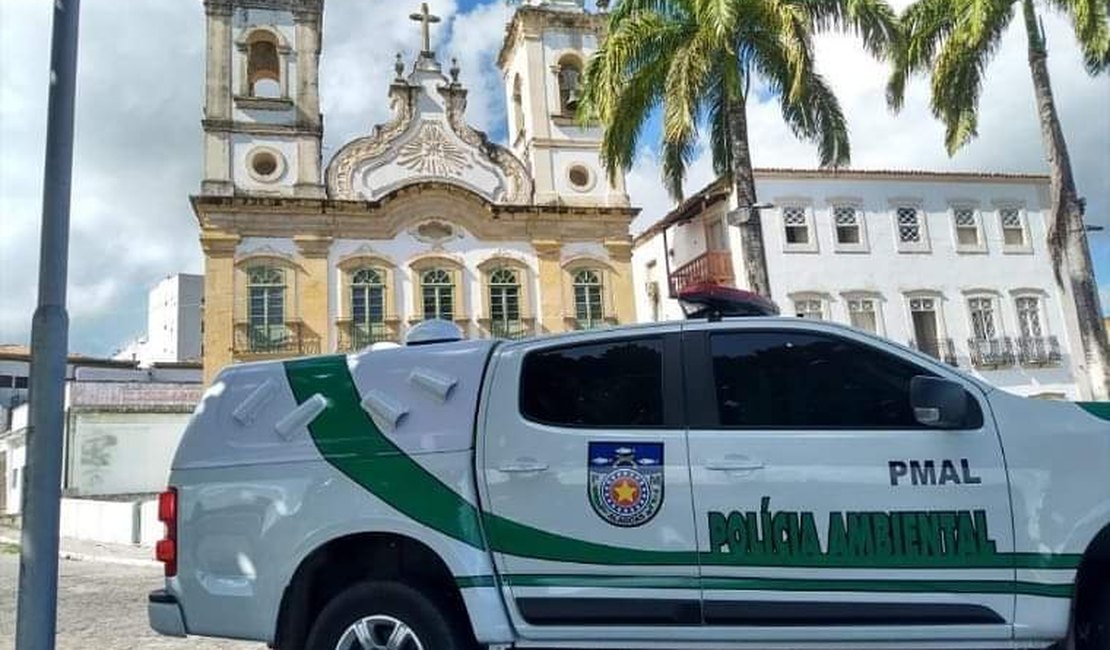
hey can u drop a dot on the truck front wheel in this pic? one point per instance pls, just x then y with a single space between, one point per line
384 616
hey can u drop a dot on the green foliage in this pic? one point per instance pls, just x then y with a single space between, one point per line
696 59
954 40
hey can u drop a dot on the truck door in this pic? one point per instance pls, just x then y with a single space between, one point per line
826 511
586 487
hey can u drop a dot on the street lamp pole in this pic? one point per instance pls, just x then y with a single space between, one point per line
36 623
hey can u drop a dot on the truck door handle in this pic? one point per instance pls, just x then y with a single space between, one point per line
733 464
523 466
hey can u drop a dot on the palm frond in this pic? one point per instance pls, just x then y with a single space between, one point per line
1090 20
925 25
874 21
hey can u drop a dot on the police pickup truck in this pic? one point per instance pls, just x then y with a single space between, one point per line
753 482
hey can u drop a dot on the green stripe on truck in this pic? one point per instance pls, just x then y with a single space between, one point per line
1100 410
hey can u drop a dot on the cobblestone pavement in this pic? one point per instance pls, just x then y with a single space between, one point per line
101 606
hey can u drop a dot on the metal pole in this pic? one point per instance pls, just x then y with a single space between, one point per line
36 624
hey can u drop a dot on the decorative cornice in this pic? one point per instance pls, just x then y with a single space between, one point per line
520 190
218 244
338 175
259 128
531 21
313 245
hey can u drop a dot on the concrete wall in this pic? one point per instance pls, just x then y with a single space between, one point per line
116 522
121 452
15 453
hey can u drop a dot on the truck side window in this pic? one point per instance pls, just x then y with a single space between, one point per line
799 380
612 384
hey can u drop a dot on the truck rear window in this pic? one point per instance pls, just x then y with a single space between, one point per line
610 384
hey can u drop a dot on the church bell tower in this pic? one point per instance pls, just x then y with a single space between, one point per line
262 122
542 62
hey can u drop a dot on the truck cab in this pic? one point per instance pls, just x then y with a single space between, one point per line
719 483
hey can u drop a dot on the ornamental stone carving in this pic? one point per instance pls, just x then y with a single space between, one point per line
430 152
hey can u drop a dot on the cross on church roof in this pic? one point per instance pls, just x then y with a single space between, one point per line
426 19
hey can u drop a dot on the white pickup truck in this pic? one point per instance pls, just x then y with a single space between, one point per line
754 482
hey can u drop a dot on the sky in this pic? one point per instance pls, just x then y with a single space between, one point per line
138 136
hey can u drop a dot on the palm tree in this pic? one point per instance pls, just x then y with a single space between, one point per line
697 59
954 41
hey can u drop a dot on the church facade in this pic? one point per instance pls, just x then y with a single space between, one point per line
423 217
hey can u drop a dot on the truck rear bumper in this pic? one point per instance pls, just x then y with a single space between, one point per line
164 613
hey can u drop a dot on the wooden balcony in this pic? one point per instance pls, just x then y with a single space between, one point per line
712 267
290 339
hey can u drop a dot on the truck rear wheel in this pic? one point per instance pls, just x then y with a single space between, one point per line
384 616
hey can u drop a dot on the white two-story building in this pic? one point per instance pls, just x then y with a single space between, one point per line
954 264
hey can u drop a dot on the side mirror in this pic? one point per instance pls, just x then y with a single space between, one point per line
943 404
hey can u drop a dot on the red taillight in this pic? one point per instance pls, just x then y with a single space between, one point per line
165 551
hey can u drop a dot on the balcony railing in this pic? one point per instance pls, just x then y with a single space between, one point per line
991 353
942 349
356 336
512 329
713 267
1038 350
283 339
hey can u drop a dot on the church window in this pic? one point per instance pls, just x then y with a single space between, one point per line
263 66
367 307
570 81
579 177
438 294
504 303
266 308
266 165
796 224
587 299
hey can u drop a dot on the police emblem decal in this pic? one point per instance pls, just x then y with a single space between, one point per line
625 484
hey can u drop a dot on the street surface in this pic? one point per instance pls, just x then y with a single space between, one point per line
101 606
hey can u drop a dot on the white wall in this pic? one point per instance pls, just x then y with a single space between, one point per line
121 452
890 274
16 455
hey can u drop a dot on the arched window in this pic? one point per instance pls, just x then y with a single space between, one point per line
570 81
587 299
438 294
266 308
504 303
263 66
367 307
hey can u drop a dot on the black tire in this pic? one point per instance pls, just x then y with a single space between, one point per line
1095 631
435 628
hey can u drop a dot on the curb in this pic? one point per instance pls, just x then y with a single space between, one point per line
87 557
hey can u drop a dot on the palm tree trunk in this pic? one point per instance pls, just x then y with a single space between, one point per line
751 230
1067 237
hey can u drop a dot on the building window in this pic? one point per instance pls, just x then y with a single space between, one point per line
1013 228
801 380
6 381
263 66
909 225
588 310
927 330
967 228
809 308
504 304
862 314
266 307
438 294
848 227
614 384
570 80
1029 316
982 318
21 382
796 223
367 307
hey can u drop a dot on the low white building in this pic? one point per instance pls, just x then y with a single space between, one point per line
173 322
955 264
122 426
